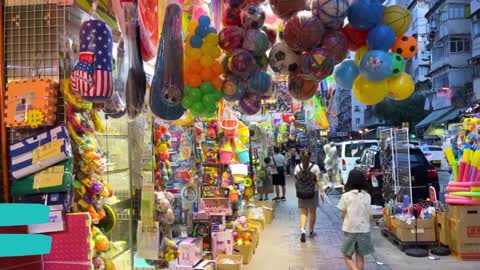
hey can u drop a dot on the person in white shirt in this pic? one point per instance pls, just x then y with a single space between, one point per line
278 177
355 205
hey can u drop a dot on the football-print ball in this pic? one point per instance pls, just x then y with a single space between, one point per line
406 46
282 59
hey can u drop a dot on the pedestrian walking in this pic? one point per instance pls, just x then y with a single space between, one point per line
309 190
355 207
267 186
278 177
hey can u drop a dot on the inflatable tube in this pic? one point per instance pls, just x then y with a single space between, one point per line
462 202
454 197
467 194
454 189
464 184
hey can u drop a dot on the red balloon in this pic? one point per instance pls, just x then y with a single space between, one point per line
231 16
356 38
336 43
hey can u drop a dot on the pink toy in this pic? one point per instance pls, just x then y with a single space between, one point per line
451 199
453 189
465 184
222 243
191 251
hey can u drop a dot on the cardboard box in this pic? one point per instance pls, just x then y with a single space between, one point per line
236 259
425 230
463 212
206 265
465 236
442 223
257 222
245 251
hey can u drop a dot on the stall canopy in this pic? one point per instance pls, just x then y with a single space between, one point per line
446 118
435 115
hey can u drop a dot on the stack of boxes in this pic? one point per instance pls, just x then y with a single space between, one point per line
460 230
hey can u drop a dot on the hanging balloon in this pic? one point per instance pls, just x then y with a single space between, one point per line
406 46
345 74
271 33
331 13
317 63
336 43
241 63
233 89
355 38
381 37
398 64
256 41
369 92
259 83
303 31
250 104
400 87
282 59
359 54
286 8
376 65
365 14
252 17
231 38
398 18
300 88
231 17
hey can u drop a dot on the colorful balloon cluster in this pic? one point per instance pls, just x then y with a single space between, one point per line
377 34
246 39
202 69
312 43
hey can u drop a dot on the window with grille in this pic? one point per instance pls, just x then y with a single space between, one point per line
460 45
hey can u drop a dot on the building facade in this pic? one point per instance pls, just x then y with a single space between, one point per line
450 41
475 61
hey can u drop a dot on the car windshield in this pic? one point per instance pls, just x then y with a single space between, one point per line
356 149
415 157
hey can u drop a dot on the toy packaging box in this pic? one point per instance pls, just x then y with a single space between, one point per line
56 178
40 151
31 103
222 243
191 251
64 200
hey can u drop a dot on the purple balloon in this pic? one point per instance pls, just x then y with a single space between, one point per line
250 104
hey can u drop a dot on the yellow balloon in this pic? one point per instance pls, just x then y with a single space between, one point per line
211 39
398 18
359 54
206 60
207 48
401 87
215 53
195 53
368 92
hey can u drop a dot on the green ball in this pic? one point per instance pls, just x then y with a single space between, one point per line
187 102
189 90
398 64
207 87
196 94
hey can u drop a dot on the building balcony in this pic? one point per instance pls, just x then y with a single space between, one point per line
433 5
451 60
476 46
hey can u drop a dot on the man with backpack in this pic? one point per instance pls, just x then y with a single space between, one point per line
309 190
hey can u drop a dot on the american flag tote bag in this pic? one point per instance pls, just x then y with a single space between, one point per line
82 74
96 37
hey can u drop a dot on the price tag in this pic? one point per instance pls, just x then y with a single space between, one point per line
47 151
50 177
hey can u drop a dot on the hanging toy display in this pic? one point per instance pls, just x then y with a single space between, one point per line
163 170
246 40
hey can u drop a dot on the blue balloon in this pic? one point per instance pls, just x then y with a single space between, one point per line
196 41
201 31
205 21
259 83
211 30
381 37
365 14
376 65
345 73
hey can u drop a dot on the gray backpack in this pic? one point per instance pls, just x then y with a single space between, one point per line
305 184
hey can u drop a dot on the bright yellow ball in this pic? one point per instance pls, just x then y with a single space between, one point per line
211 39
206 60
195 53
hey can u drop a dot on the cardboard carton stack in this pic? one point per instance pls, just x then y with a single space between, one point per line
463 225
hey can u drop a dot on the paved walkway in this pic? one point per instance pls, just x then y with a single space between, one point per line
280 247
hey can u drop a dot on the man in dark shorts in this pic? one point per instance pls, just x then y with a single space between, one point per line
278 177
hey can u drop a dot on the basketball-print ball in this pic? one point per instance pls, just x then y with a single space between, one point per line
286 8
398 18
303 31
332 13
406 46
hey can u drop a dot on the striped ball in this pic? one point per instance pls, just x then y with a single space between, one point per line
330 12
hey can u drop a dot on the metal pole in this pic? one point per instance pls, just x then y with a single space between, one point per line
3 128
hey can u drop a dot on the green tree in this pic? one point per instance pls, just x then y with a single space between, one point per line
396 112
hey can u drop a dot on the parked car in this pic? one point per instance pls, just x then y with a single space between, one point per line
423 173
348 153
434 154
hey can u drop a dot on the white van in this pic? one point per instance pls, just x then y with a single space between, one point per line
348 154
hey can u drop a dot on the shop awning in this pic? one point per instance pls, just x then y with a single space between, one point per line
450 116
432 117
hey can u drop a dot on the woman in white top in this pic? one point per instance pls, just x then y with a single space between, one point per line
355 205
308 207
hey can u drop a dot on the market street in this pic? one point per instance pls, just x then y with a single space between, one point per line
280 247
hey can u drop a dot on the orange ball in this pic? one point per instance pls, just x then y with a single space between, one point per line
194 80
217 83
217 68
406 46
206 74
195 67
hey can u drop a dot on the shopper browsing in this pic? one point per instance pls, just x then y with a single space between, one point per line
267 187
278 177
309 189
355 207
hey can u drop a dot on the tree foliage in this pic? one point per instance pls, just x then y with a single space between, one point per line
396 112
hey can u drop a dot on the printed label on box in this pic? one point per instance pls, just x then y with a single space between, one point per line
473 231
49 177
47 151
